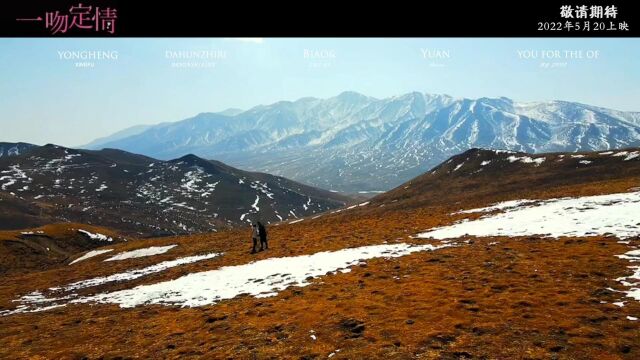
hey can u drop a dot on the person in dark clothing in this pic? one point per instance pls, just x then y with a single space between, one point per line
262 231
255 234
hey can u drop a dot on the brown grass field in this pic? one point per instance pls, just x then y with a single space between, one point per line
521 298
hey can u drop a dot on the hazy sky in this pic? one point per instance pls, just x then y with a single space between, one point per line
47 98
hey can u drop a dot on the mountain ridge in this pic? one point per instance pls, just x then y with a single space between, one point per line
359 143
144 196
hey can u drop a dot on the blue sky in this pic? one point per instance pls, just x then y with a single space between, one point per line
46 99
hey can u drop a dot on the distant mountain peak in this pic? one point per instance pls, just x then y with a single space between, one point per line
189 158
306 99
231 112
359 143
352 96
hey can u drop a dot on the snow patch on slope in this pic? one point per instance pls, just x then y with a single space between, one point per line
96 236
90 254
36 301
149 251
261 278
583 216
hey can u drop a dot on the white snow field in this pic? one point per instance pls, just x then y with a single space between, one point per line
261 278
149 251
96 236
135 273
37 301
632 281
90 254
615 214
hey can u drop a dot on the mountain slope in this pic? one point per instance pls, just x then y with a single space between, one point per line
498 175
50 246
135 193
364 282
358 143
12 149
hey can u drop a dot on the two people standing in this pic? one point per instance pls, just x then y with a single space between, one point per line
259 232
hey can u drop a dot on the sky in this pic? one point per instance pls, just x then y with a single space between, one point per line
50 94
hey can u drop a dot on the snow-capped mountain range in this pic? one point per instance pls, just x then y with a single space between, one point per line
355 143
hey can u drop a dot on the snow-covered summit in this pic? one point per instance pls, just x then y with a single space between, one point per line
351 136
